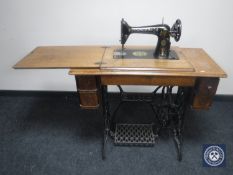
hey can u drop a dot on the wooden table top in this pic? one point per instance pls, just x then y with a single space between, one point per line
98 60
60 57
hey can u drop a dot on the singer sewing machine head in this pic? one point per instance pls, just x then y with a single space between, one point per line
163 31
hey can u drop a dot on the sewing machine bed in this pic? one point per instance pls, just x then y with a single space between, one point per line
142 62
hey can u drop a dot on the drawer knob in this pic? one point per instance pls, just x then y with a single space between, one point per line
209 89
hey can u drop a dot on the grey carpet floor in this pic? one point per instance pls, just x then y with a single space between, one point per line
50 135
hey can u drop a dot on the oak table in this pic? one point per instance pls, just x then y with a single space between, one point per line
189 81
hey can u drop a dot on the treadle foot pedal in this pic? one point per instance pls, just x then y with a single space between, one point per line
134 135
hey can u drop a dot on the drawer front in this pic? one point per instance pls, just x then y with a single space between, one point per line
86 82
147 80
88 88
89 100
203 93
207 86
202 102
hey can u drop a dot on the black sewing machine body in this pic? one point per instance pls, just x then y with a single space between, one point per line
163 31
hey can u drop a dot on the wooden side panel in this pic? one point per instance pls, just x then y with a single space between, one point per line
88 88
203 93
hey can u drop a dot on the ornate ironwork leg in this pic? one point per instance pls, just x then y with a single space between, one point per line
178 119
170 112
178 145
106 114
113 117
162 108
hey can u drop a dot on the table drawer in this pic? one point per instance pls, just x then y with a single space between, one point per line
88 88
203 93
89 100
86 82
207 86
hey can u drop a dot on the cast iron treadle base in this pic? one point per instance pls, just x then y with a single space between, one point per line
134 135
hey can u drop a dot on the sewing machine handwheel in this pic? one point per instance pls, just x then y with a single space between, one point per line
177 29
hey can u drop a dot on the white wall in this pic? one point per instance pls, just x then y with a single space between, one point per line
26 24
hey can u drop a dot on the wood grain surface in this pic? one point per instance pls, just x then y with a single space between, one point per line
98 60
52 57
203 66
147 80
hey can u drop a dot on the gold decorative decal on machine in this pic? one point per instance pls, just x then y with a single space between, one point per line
139 53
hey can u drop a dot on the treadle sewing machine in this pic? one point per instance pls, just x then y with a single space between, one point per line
163 32
95 67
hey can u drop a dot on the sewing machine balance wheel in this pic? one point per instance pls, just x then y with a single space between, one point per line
176 30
